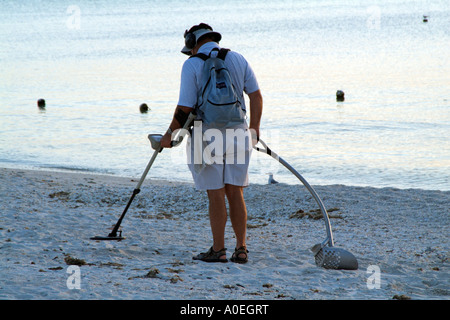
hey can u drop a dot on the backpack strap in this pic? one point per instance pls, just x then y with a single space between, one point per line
222 54
202 56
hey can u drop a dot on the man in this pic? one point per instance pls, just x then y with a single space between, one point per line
227 179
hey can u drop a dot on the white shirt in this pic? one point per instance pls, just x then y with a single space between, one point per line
242 75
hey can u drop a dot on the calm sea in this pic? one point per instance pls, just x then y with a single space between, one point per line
95 62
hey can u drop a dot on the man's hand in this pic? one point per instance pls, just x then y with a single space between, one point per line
166 140
255 136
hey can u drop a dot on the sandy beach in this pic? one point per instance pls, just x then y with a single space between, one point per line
47 219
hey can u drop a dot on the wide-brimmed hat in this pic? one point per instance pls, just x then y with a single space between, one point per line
192 38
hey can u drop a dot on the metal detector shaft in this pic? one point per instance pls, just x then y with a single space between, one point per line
267 150
155 140
135 192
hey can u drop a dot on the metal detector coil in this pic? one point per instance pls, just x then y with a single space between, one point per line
116 238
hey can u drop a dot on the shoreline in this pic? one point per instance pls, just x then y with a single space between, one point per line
48 216
163 181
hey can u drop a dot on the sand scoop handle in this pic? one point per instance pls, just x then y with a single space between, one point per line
329 240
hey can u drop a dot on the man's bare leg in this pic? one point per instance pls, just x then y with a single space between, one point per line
217 218
238 214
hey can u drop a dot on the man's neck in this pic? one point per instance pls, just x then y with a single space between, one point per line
199 45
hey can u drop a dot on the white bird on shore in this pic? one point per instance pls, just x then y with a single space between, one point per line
271 179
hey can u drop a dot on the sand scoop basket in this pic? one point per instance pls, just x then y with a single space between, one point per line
326 255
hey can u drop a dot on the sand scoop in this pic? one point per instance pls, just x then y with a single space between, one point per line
326 254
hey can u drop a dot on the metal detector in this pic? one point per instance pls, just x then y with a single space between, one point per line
155 140
326 255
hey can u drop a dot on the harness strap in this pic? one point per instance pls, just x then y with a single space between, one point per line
222 54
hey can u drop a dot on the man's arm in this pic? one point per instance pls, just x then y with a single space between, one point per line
256 108
174 125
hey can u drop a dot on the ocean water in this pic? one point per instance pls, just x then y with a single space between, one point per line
95 62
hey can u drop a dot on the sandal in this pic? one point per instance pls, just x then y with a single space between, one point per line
212 256
236 258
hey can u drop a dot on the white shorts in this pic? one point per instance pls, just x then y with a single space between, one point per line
219 156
